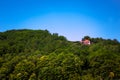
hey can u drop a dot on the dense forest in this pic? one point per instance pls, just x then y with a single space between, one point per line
40 55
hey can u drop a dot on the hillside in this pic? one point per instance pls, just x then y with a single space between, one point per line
39 55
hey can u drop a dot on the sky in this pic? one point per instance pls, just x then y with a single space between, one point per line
73 19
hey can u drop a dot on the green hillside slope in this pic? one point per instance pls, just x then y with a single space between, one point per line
40 55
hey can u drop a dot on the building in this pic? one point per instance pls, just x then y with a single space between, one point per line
86 42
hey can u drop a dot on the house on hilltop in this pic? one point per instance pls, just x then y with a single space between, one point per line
86 42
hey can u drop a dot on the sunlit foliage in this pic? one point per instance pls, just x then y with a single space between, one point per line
40 55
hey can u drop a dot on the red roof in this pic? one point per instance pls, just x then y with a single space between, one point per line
86 42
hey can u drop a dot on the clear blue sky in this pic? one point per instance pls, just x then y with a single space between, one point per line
70 18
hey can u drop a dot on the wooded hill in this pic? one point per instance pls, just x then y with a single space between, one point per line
40 55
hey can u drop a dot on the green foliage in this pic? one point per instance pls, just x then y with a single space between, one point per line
40 55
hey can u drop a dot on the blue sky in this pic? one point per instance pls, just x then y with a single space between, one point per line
70 18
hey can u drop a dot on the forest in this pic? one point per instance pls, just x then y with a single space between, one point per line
40 55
